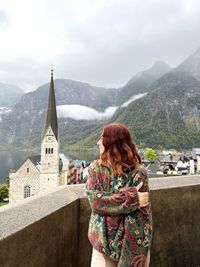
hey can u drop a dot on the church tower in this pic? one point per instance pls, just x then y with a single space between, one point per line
49 176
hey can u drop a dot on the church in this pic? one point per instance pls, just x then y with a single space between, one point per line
41 172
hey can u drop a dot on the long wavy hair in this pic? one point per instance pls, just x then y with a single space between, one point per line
120 152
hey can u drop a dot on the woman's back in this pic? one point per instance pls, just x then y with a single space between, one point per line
118 227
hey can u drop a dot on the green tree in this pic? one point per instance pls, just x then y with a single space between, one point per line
3 191
150 154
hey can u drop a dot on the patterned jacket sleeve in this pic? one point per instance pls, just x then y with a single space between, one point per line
107 203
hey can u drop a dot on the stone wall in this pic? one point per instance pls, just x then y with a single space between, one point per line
176 216
41 231
51 229
49 242
84 248
27 175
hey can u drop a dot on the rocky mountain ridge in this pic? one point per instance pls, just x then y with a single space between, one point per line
141 82
167 114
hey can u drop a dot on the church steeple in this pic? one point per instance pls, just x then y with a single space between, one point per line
49 171
51 118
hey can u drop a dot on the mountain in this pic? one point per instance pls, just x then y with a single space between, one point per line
169 115
9 94
23 123
141 82
192 65
69 92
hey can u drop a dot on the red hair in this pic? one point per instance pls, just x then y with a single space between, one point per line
120 151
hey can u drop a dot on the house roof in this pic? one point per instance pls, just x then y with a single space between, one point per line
65 161
153 167
195 152
78 163
169 159
145 160
36 161
173 159
63 164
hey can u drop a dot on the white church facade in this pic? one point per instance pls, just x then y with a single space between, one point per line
42 172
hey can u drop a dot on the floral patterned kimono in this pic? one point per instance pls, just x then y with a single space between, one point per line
118 227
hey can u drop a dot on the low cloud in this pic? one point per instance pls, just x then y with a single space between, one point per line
4 110
133 98
79 112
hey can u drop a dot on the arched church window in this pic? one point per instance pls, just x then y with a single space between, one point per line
46 150
51 150
27 191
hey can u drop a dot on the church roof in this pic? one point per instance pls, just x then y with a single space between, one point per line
35 159
51 118
63 163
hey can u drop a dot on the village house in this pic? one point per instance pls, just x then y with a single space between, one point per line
180 164
196 158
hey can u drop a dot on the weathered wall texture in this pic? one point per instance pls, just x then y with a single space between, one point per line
59 238
176 239
85 249
49 242
176 215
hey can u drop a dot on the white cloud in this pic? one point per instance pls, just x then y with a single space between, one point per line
133 98
79 112
4 110
102 42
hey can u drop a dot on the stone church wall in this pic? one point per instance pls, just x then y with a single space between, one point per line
27 175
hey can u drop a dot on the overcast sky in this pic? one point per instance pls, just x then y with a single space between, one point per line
103 42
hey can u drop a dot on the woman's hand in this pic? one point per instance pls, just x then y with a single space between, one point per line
143 196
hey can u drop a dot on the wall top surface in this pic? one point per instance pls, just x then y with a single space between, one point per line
14 217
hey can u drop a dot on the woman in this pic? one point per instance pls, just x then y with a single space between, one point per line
120 228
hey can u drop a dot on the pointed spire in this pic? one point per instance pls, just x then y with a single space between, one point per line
51 118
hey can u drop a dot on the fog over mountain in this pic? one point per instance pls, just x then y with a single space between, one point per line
141 82
9 94
191 65
160 105
78 112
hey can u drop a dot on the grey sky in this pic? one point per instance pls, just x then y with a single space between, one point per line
103 42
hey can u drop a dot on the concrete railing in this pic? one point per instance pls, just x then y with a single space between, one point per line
51 229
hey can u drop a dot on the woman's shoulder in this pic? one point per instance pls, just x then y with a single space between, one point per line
94 165
141 170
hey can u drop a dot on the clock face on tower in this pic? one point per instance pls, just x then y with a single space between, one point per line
49 138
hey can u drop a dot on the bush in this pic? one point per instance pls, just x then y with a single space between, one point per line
3 191
150 154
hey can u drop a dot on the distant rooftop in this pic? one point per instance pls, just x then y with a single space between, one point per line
195 152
